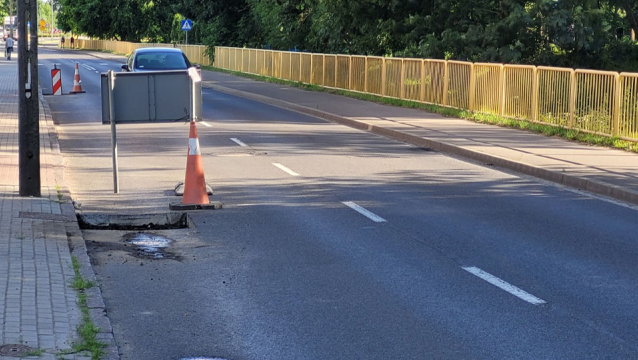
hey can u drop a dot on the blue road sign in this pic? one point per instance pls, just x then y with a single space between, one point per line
187 25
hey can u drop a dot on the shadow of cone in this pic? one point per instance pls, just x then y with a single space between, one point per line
77 87
195 193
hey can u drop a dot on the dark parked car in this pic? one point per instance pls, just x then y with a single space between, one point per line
157 59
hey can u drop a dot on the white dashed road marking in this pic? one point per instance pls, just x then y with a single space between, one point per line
285 169
238 142
503 285
363 211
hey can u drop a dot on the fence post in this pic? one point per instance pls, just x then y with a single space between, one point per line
472 95
618 95
312 69
402 81
422 87
445 83
243 61
535 95
349 72
289 65
501 90
300 67
383 77
323 72
336 70
238 59
365 75
572 99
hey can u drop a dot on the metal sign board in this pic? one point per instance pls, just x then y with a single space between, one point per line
187 24
151 96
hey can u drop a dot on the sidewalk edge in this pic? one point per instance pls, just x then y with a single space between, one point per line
78 248
579 183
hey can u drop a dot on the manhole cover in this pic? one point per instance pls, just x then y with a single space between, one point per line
149 244
15 350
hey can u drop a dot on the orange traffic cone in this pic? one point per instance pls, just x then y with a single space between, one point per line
195 192
77 87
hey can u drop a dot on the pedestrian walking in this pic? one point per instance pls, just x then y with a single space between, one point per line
72 41
8 46
62 41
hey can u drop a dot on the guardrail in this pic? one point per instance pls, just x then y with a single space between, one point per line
600 102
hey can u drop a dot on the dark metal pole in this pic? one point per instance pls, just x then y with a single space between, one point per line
29 105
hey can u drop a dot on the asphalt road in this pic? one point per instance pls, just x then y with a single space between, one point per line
338 244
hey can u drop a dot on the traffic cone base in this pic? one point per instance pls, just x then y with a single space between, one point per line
179 189
213 205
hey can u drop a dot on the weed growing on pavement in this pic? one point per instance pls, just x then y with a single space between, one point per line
34 352
87 330
545 129
58 192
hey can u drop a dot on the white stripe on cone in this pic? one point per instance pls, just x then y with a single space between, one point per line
193 147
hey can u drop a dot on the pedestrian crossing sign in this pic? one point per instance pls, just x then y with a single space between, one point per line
187 25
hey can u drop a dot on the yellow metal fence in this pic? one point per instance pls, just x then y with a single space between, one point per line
196 53
599 102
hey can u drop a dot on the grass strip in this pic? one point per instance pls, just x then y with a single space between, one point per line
545 129
87 330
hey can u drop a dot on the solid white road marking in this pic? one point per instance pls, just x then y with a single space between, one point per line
503 285
88 67
238 142
363 211
104 64
205 123
285 169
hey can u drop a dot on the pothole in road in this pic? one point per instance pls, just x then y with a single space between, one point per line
150 245
162 221
120 246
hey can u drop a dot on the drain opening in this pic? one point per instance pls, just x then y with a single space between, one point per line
166 221
15 350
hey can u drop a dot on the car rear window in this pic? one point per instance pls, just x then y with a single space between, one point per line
160 61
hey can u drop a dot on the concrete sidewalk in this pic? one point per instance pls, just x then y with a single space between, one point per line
38 238
599 170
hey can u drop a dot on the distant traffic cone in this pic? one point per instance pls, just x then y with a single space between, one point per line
195 192
77 87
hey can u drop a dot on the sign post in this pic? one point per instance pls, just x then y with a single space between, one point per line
111 107
187 25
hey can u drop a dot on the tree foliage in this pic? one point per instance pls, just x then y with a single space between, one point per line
583 33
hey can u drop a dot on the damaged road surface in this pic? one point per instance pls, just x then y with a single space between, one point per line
335 243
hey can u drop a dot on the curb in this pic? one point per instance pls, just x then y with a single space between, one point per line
579 183
77 246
